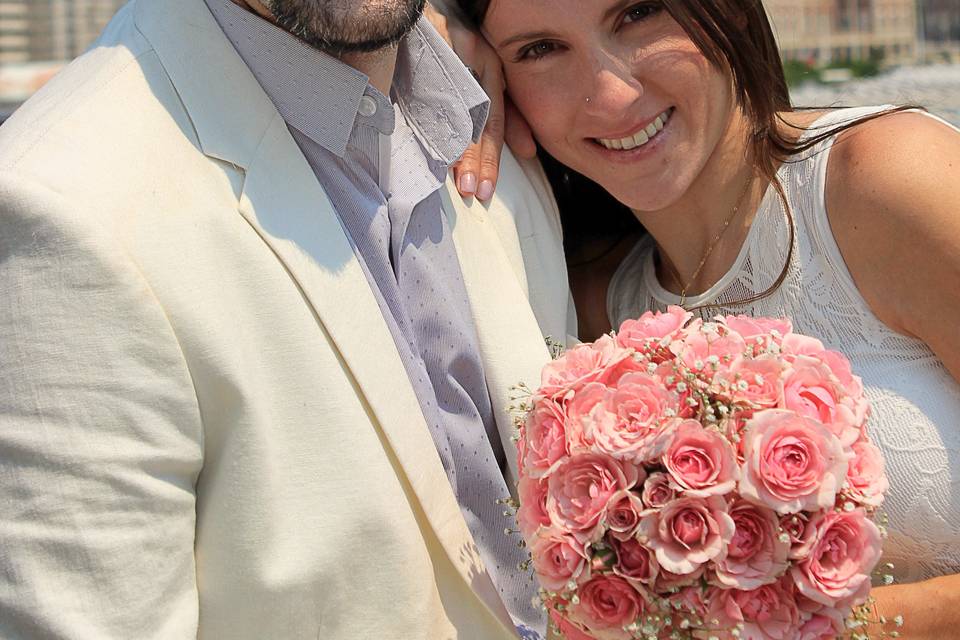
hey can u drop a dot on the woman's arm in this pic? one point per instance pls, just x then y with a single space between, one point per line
893 200
930 609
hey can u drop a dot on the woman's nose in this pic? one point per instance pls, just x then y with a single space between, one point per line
614 87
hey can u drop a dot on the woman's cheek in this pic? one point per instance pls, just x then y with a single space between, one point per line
546 104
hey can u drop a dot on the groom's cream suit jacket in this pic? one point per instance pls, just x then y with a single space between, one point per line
205 427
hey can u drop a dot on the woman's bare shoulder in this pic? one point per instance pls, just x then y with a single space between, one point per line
893 202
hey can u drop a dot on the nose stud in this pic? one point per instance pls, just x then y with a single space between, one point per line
588 98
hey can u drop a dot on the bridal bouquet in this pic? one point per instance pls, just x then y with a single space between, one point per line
690 479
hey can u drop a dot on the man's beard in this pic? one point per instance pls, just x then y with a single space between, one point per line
347 26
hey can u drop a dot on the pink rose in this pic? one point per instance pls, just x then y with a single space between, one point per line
667 581
558 558
791 463
852 385
532 513
810 390
689 600
701 461
796 344
652 330
623 514
685 391
866 481
767 613
632 422
688 532
703 342
827 624
585 407
756 555
634 561
546 438
759 332
579 490
800 537
615 374
658 490
846 549
581 365
607 604
755 382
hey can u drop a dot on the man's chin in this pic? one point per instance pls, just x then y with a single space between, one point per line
353 35
339 48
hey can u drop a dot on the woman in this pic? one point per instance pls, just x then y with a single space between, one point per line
847 221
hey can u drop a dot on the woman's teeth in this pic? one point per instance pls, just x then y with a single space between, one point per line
640 138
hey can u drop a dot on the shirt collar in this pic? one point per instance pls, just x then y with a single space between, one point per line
320 96
438 95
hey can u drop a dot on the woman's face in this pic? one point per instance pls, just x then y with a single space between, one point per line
616 90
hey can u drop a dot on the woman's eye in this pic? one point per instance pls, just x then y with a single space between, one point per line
535 51
642 11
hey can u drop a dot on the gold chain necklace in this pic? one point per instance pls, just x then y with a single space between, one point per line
726 224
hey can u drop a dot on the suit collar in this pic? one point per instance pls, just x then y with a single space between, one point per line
228 109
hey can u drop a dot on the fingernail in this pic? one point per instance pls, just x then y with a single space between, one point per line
485 192
468 183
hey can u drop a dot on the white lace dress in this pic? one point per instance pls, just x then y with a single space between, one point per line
916 402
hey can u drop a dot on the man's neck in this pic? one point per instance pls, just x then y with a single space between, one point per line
377 65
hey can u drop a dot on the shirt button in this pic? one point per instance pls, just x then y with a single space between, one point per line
368 106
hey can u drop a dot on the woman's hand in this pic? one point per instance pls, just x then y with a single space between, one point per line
477 171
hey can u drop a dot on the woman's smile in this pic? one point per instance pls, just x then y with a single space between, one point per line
639 137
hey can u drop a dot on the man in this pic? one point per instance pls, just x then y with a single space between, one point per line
255 351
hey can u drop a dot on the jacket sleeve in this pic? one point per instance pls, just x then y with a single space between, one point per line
100 434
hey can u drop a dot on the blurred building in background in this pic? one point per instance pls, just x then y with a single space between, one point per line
50 30
14 31
894 32
821 32
38 37
940 27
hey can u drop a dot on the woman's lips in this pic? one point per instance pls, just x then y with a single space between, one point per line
638 151
638 138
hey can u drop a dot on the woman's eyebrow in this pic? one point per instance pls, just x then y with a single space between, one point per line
521 37
609 14
615 9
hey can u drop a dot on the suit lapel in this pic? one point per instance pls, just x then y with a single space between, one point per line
228 108
512 346
285 204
